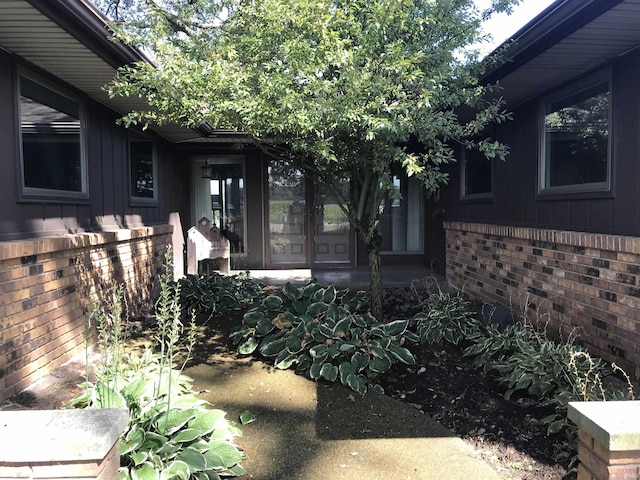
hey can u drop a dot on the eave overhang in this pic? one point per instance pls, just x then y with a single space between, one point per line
71 40
567 40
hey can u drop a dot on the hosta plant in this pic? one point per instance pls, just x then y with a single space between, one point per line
445 316
325 333
216 294
171 433
492 345
557 373
525 360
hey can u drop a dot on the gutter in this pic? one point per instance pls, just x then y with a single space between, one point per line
556 22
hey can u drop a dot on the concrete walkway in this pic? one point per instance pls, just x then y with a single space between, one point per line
309 431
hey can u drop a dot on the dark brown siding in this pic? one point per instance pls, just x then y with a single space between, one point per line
515 201
109 204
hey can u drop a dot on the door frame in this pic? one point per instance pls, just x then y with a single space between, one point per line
310 241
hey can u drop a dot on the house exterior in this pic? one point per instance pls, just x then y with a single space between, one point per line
555 229
87 204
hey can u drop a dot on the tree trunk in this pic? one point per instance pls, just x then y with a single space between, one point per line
375 276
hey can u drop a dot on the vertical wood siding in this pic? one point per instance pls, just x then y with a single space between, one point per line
515 180
109 205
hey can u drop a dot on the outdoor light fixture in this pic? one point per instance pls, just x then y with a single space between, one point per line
207 170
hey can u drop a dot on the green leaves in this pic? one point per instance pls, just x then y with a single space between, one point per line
343 86
326 335
216 294
247 417
447 317
248 346
171 421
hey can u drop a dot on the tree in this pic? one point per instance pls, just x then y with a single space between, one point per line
341 88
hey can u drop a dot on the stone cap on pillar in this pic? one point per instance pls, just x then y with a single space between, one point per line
615 425
60 435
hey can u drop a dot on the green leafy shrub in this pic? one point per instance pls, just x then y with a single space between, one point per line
556 373
525 360
217 294
326 333
445 316
491 345
171 433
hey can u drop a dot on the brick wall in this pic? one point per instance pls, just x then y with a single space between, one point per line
45 284
584 284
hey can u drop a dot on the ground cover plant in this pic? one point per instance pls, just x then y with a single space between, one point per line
521 370
216 294
171 432
325 333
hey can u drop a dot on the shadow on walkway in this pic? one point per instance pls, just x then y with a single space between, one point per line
309 431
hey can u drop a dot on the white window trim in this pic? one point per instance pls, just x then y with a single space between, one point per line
133 199
571 90
41 193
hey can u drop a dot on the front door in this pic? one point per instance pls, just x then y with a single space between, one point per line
306 226
287 217
332 239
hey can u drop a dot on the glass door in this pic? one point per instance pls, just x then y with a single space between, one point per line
287 210
332 240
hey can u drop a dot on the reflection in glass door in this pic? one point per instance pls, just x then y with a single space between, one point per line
332 239
287 215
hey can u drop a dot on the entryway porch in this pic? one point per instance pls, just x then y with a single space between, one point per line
404 275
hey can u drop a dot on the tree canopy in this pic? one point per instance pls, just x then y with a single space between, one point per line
346 89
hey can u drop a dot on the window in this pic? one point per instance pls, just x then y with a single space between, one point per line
575 150
53 159
477 175
401 219
227 200
143 169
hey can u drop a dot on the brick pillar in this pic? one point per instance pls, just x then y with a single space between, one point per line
61 444
609 439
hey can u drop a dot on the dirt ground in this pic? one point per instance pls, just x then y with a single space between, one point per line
442 384
505 433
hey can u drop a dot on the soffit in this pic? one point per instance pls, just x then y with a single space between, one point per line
33 36
610 35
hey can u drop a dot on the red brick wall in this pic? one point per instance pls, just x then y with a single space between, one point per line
583 283
45 284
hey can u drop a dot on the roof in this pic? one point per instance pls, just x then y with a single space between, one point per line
70 39
568 39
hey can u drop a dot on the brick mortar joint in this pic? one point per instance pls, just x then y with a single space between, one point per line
621 243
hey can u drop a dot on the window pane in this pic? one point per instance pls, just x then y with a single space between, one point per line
287 214
401 219
577 139
51 146
477 174
227 202
142 181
